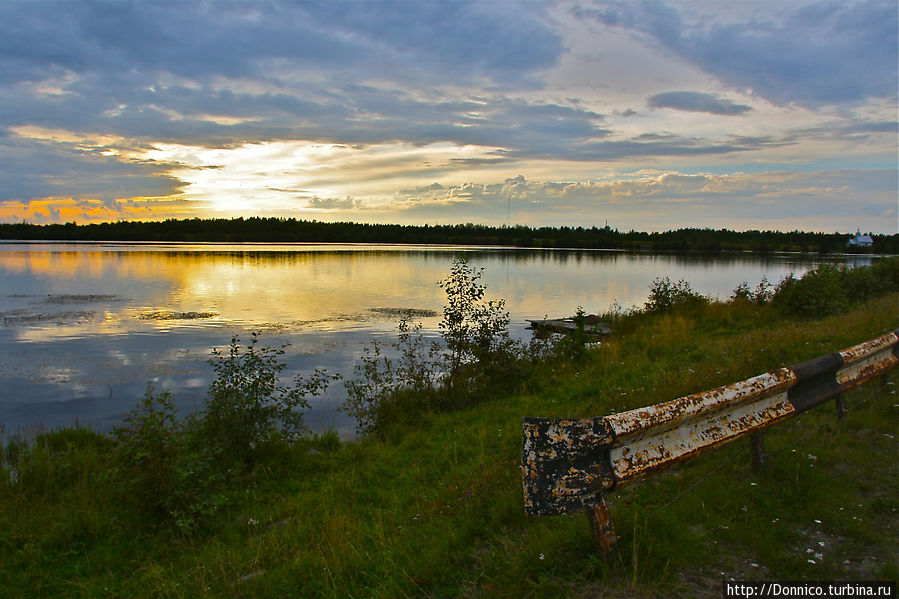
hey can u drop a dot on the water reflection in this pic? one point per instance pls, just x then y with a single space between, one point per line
84 326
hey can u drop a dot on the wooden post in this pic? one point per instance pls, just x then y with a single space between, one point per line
757 441
602 527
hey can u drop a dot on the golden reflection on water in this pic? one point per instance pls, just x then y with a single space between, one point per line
257 288
67 290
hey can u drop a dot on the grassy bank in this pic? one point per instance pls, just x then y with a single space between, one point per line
433 506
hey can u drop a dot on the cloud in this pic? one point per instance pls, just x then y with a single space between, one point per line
36 169
343 107
671 199
471 40
333 203
823 53
696 102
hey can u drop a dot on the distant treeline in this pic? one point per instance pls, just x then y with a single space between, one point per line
292 230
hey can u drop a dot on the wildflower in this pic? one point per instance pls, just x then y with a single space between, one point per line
817 521
811 561
542 556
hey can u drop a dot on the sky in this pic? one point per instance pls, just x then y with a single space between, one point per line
742 114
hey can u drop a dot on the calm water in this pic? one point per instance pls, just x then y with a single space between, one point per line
84 327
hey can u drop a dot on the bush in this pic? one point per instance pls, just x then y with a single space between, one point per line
476 352
382 384
665 296
163 471
886 272
173 469
476 332
247 409
150 446
761 295
820 292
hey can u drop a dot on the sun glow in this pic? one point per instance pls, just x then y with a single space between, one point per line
297 177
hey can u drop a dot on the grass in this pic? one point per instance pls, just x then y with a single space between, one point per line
435 509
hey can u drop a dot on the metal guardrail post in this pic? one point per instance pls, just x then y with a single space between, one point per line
841 408
602 527
568 465
757 442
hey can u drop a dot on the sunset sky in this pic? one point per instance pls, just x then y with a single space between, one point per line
648 115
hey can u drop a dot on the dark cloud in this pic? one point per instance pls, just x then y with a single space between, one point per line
501 43
647 145
696 102
854 131
35 170
824 53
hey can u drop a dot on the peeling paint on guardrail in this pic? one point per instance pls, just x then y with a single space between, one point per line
568 465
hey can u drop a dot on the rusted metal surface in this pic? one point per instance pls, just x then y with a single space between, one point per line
562 464
568 464
672 412
663 444
602 528
868 360
657 436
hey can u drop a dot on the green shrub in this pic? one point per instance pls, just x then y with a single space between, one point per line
886 273
163 471
820 292
476 332
385 385
247 408
476 353
150 445
173 469
761 295
665 296
572 346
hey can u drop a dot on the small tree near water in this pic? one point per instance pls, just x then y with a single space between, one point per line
476 331
475 350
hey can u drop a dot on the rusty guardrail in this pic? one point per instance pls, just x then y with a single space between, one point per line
568 465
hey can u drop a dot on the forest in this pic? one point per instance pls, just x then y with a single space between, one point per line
271 230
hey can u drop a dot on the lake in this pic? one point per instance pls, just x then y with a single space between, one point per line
85 326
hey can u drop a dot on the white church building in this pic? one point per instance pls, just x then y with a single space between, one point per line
862 241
